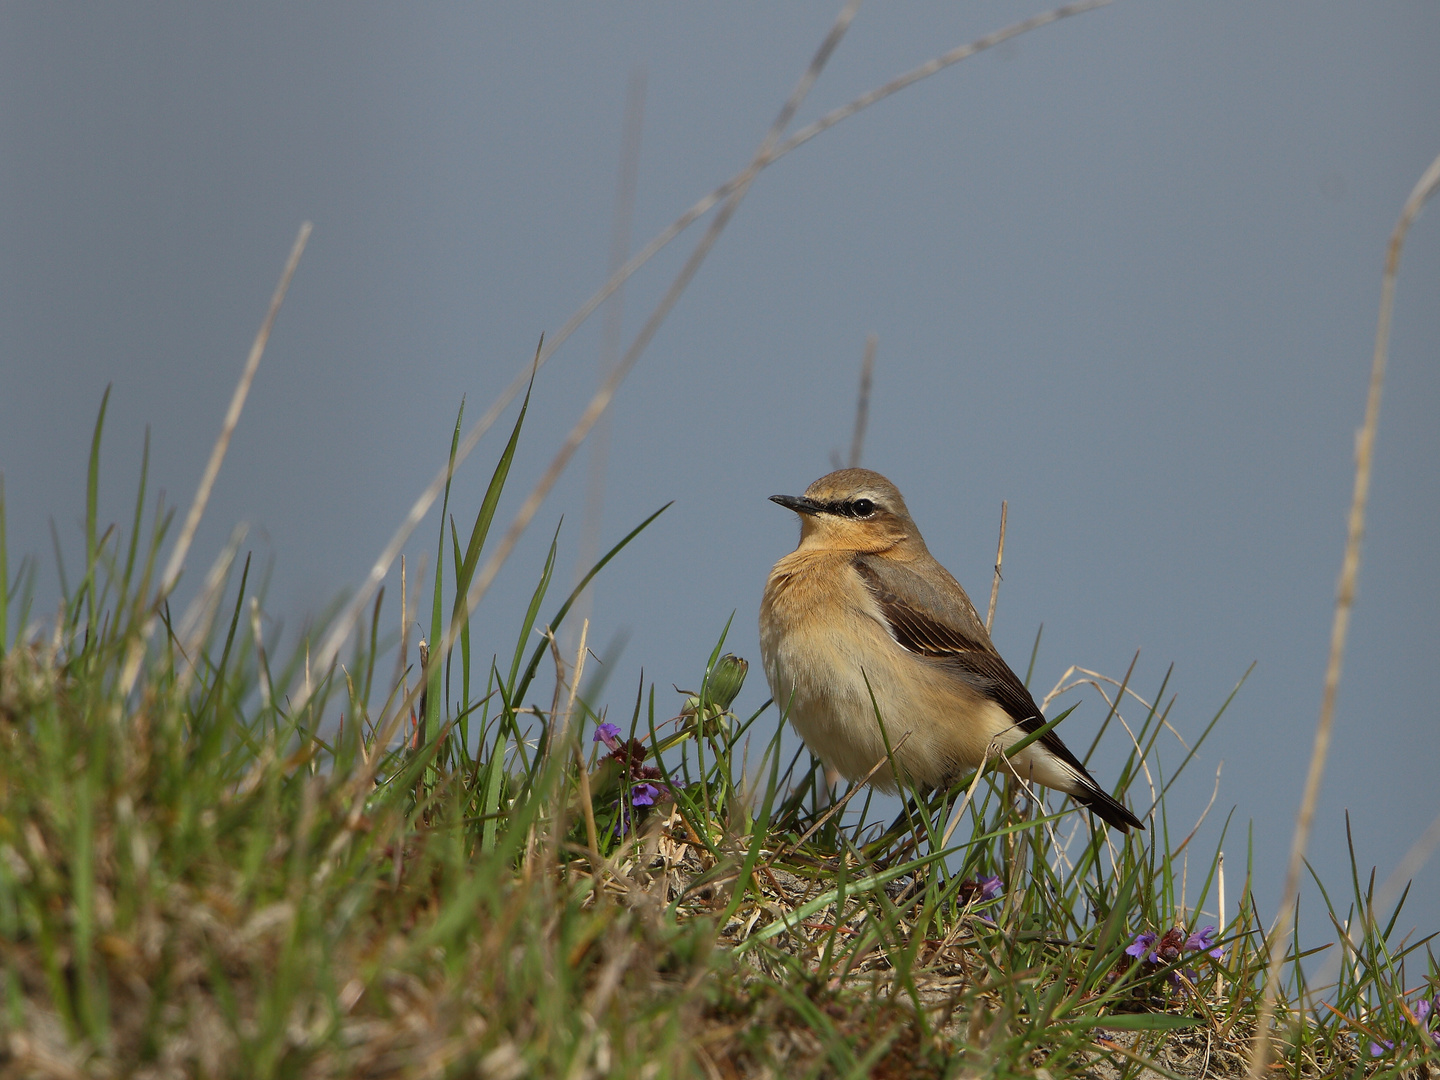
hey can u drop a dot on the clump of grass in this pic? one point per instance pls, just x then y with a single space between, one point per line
474 867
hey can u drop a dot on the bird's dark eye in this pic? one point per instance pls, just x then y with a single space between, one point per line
863 507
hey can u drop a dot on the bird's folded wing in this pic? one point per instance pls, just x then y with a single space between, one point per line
924 620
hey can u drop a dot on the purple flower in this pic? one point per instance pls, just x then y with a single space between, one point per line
640 795
1140 948
1423 1008
980 891
609 734
1380 1049
622 819
1205 940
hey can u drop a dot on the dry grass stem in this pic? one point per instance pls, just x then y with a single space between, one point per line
611 330
862 401
601 401
217 457
345 625
1344 602
999 559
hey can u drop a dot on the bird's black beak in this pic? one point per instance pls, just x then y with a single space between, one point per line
798 503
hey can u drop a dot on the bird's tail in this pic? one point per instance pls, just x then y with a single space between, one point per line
1099 802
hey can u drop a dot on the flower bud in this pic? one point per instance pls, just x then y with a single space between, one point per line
726 679
722 685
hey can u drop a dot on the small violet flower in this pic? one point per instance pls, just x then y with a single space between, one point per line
1204 940
646 788
1421 1011
978 890
1423 1008
981 890
622 819
1141 948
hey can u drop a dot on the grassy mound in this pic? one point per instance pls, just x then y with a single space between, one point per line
212 866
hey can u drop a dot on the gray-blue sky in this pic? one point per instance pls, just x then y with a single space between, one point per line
1123 271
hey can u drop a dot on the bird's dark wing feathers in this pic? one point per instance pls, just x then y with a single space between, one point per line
971 658
963 646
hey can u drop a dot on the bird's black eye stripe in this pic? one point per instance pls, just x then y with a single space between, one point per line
855 508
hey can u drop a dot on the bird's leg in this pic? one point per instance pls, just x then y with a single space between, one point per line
914 800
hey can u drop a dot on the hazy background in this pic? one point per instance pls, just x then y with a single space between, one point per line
1124 273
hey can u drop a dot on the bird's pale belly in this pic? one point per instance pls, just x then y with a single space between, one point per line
832 667
831 684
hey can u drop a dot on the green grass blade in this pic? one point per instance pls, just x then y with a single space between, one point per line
1205 732
539 653
481 528
1136 1022
854 888
92 498
65 594
25 579
1110 932
217 685
139 519
760 830
4 576
464 706
527 627
373 652
1034 652
430 722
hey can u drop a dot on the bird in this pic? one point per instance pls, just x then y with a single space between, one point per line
860 618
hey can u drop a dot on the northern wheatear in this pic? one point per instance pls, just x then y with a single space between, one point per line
861 607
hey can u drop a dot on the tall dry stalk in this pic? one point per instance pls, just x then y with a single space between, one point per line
1344 602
